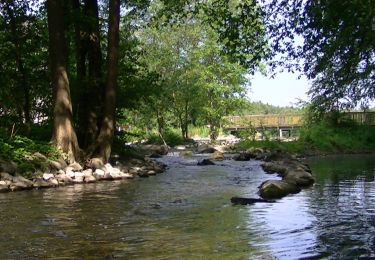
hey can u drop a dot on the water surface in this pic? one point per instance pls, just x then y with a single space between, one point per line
186 213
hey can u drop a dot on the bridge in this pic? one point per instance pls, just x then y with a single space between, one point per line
284 123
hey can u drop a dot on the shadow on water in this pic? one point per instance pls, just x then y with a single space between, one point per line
186 213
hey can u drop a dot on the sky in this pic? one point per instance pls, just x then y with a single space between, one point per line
283 90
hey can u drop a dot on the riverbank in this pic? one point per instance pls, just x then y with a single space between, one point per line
37 171
322 139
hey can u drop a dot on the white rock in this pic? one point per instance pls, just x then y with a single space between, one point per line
89 179
70 173
53 182
47 176
115 175
126 175
75 166
79 174
78 179
87 172
99 172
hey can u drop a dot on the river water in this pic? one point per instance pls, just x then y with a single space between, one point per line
186 213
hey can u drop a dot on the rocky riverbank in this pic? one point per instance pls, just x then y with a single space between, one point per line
55 173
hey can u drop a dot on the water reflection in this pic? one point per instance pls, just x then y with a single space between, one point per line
186 214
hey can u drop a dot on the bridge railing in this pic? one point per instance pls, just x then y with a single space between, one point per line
288 121
264 121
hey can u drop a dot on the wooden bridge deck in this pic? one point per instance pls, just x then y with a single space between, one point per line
286 121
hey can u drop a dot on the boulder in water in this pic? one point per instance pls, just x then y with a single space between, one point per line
242 157
275 189
300 178
206 162
217 156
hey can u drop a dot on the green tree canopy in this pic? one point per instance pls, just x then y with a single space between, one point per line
337 51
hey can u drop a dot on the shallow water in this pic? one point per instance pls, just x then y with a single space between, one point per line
186 213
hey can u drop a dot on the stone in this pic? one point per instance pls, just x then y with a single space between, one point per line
63 178
217 156
79 174
107 176
89 179
75 166
248 201
151 173
40 183
95 163
40 156
53 182
206 149
78 179
143 174
272 167
47 176
87 172
156 149
205 162
98 174
6 176
56 165
4 187
21 183
155 155
274 189
158 168
300 178
134 170
70 173
126 175
115 175
9 167
242 157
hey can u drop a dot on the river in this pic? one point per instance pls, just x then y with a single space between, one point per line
185 213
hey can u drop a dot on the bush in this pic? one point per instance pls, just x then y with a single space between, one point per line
20 150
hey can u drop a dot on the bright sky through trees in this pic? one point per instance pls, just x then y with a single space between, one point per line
283 90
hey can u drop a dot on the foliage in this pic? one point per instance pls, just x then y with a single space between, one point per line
21 150
336 52
259 108
25 95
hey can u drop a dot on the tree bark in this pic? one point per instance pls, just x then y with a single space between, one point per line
64 136
105 138
89 71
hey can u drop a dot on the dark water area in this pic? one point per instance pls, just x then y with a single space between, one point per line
186 213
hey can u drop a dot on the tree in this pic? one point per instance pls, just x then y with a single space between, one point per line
88 70
24 90
337 52
222 81
105 138
194 74
64 136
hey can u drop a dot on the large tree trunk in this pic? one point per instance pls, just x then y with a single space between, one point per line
89 71
105 138
64 136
